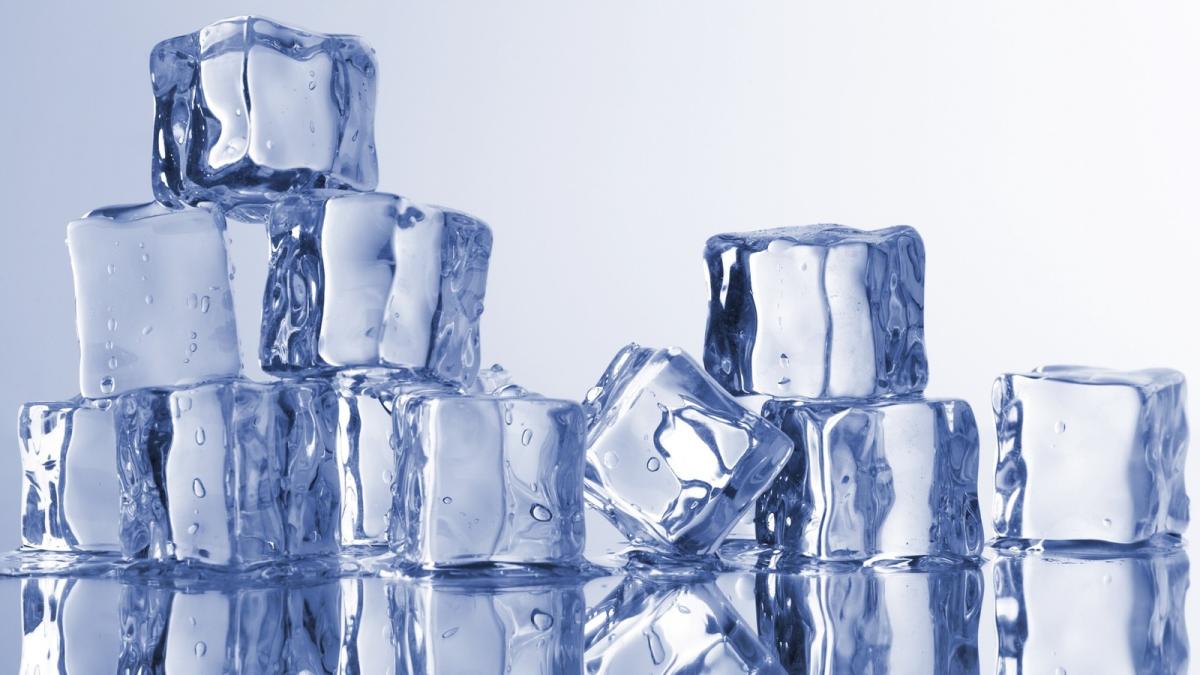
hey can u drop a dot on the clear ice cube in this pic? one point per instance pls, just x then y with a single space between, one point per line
1090 454
817 312
246 109
70 489
474 627
489 480
869 620
69 625
372 279
248 248
152 301
664 628
229 473
883 480
1092 614
673 461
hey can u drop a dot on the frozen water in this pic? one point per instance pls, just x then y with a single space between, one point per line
673 461
892 479
867 620
247 109
70 492
1092 615
69 625
472 628
228 473
248 247
366 447
1090 454
817 312
372 279
152 301
666 628
489 480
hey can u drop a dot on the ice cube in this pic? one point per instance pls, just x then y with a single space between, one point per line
152 301
1090 454
247 109
366 447
665 628
372 279
882 480
228 473
868 620
672 460
480 626
69 625
70 491
248 247
1092 614
489 480
817 312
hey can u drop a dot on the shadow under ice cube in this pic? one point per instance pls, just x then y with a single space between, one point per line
70 491
817 312
372 279
893 479
489 480
673 461
247 108
1088 454
152 301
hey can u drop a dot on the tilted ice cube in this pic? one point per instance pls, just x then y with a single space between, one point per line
1092 614
891 479
69 625
366 445
1090 454
673 461
489 480
867 620
228 473
246 109
475 626
372 279
817 312
152 300
666 628
70 491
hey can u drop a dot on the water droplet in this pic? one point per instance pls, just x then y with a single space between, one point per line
527 437
109 344
312 127
611 460
784 361
540 513
200 436
145 257
1107 522
726 366
312 85
237 112
112 325
1060 427
107 384
111 269
192 348
683 609
541 620
198 488
450 633
146 330
192 300
269 144
653 464
149 299
784 380
204 304
447 500
193 528
192 335
201 649
112 363
593 394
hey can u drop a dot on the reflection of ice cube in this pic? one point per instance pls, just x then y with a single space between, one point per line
477 628
69 626
152 301
247 108
489 480
661 629
894 479
1092 615
817 312
1090 454
70 492
871 620
674 461
372 279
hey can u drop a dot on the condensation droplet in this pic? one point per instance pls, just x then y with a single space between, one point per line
540 513
784 360
198 487
192 347
653 464
192 301
111 269
193 528
726 366
1107 522
527 437
200 436
112 363
447 500
107 384
149 299
204 302
450 633
145 257
201 649
1060 427
146 330
112 325
541 620
592 394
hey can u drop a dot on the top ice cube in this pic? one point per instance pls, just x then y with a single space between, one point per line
246 108
817 312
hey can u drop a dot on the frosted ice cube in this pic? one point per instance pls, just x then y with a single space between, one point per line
673 461
1092 615
247 109
152 301
1090 454
817 312
870 620
489 480
70 492
668 628
890 479
69 625
372 279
